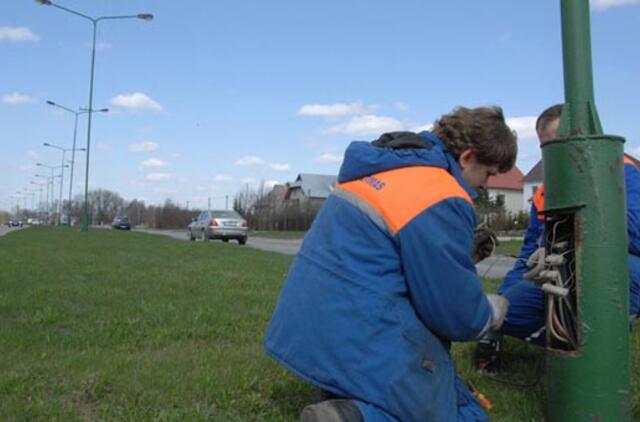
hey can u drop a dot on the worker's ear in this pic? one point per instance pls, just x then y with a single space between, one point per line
467 157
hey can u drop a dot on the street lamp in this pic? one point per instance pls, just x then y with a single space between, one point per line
94 21
46 206
52 168
64 151
40 196
75 130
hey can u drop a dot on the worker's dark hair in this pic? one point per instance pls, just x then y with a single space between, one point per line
482 129
547 116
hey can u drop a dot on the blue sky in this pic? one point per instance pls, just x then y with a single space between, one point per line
213 95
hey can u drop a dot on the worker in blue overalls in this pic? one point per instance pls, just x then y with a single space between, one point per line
385 281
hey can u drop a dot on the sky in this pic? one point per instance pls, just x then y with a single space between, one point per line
212 96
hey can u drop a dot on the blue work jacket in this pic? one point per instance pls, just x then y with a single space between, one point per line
383 282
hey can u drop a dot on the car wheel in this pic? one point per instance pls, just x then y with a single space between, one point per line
191 236
203 236
225 240
242 240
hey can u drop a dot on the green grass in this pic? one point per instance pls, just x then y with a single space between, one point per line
508 247
274 234
127 326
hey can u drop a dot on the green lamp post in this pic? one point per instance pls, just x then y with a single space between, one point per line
584 187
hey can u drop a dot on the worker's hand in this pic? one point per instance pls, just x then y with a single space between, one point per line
535 263
499 307
484 242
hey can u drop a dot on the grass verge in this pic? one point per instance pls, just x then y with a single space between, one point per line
509 247
129 326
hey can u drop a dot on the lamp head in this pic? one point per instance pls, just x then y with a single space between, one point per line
44 2
51 102
143 16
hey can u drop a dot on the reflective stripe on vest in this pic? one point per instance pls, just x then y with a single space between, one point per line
538 201
395 197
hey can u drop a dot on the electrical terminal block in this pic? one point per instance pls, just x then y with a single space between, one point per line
554 260
560 246
554 290
549 275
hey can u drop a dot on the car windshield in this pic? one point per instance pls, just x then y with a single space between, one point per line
227 214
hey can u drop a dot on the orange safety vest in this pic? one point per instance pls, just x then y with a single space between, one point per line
393 194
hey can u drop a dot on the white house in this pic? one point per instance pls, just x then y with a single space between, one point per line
506 189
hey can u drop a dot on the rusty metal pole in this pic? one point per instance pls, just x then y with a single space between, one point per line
584 184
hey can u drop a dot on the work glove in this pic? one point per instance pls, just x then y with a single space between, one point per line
535 263
484 243
499 307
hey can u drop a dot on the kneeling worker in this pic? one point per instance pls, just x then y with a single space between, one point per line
385 281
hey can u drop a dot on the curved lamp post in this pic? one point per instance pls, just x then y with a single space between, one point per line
94 21
53 168
62 166
75 131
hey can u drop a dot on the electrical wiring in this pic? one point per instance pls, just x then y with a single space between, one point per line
561 315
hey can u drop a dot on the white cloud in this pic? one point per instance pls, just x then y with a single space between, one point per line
332 110
103 147
329 158
525 126
253 161
136 101
165 191
271 183
422 128
143 147
153 162
17 33
248 180
137 183
605 4
368 124
26 167
34 155
17 98
279 167
158 177
223 178
399 105
208 188
250 160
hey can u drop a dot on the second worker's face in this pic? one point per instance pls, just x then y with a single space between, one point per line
549 132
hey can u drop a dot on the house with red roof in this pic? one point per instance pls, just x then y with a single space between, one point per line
506 189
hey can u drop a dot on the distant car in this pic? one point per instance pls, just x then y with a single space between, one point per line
219 224
14 222
121 223
33 222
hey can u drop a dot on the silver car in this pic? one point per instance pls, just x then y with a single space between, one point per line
219 224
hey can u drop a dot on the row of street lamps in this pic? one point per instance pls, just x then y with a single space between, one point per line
89 110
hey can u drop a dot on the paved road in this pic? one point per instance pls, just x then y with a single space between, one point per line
493 267
4 230
284 246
